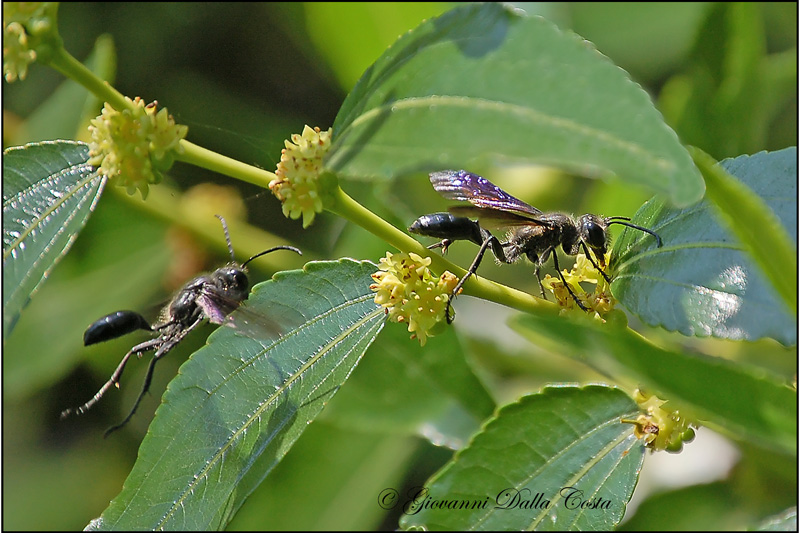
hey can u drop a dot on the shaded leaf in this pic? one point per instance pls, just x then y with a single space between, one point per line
401 387
365 464
49 191
701 282
739 398
707 507
522 469
239 404
486 83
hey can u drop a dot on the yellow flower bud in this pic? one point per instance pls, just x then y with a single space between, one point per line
411 294
297 184
659 426
135 147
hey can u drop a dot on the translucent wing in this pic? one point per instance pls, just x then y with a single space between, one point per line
219 309
254 324
465 186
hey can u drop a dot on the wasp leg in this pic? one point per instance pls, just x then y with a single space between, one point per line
489 240
137 350
538 273
167 345
586 251
561 274
444 244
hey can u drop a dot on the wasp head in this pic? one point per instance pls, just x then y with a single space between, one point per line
232 282
593 232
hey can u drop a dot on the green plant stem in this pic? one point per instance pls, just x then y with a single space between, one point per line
70 67
344 206
204 158
73 69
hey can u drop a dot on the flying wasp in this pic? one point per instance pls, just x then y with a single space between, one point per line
532 233
209 297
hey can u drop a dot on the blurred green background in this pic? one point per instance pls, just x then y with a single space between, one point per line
244 77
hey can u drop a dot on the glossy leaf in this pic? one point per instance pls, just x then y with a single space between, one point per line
702 282
751 220
486 83
239 404
737 397
49 191
534 462
785 521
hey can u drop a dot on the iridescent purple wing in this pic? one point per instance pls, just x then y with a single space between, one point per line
214 306
465 186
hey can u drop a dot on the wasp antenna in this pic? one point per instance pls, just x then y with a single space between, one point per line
634 226
227 236
608 219
265 252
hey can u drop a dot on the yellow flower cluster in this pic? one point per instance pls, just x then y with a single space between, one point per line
135 146
29 29
297 184
600 300
410 293
661 427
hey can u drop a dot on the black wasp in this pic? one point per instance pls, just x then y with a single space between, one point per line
532 233
212 296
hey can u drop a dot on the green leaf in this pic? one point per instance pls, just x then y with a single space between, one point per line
485 83
401 387
238 405
533 452
785 521
739 398
379 24
701 282
645 38
310 492
751 219
49 191
709 507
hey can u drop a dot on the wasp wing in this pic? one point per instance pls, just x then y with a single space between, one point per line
255 324
220 309
465 186
494 218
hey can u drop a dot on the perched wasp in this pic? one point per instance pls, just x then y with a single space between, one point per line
532 233
209 297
